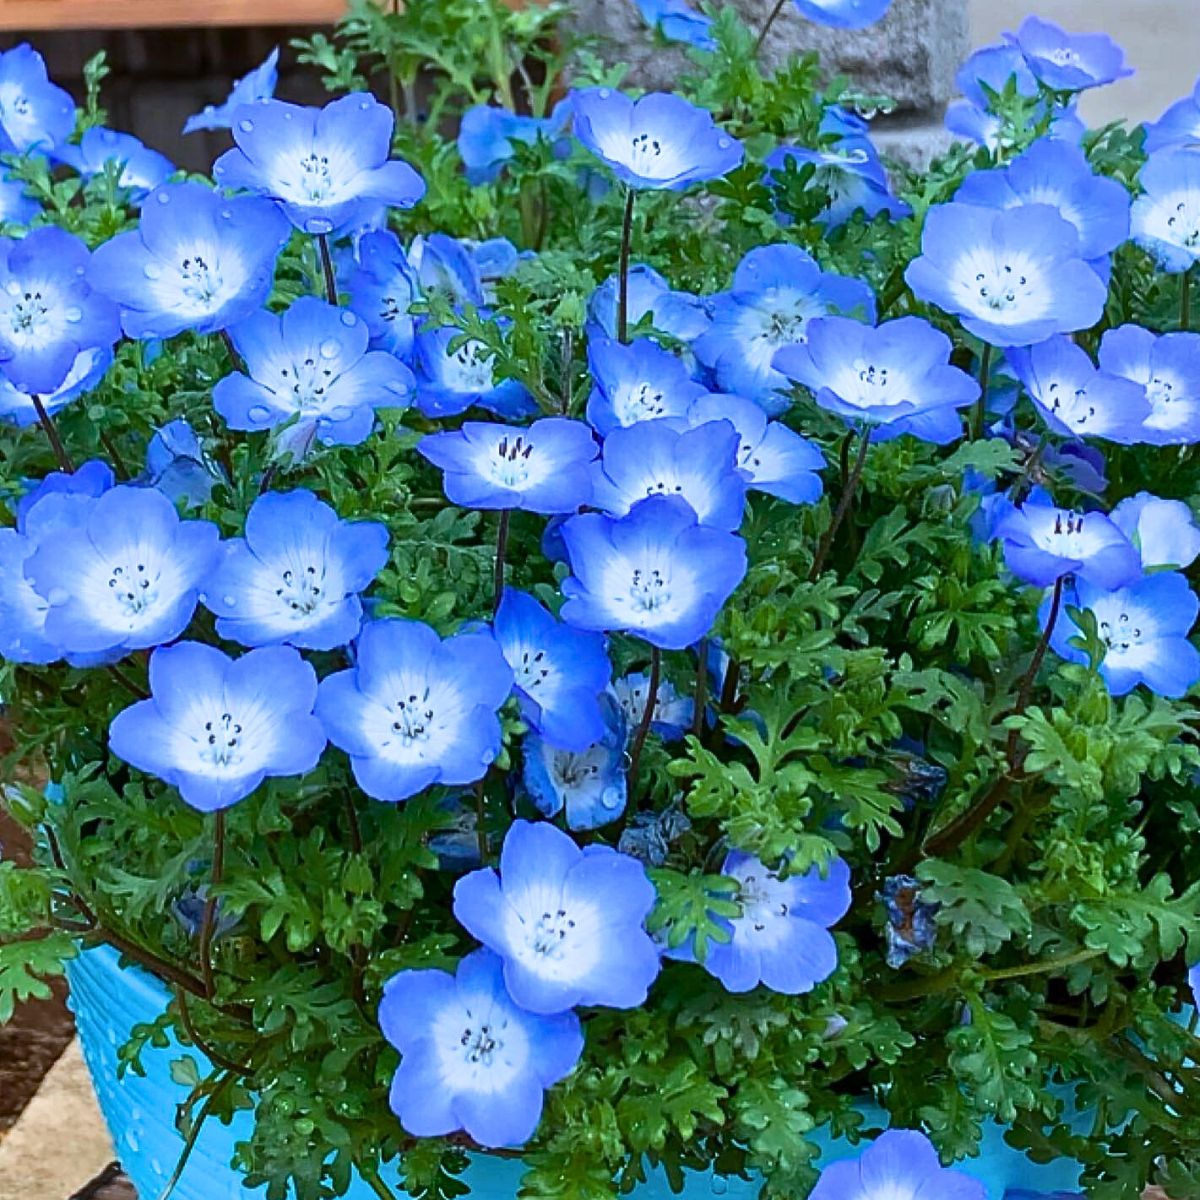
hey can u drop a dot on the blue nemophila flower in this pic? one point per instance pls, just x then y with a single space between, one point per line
449 381
772 458
657 572
543 467
1043 542
487 135
382 287
672 715
900 1164
17 206
254 86
296 576
659 141
197 260
1178 126
1167 367
678 21
1077 399
587 784
678 314
1164 531
49 313
648 836
911 921
896 377
559 672
125 575
310 366
416 710
1143 628
849 172
1166 216
471 1058
328 168
142 169
781 939
776 291
215 727
844 14
35 114
568 923
637 382
1054 172
992 69
1013 277
176 464
89 367
445 267
1068 62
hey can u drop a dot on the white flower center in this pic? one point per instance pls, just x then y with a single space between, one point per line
764 909
530 668
221 743
32 316
470 369
511 464
479 1049
194 280
302 592
573 770
1007 291
304 383
650 589
639 402
133 588
1069 404
1065 535
1063 56
553 936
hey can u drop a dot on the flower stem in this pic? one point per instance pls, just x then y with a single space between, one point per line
762 33
331 292
136 691
639 738
623 280
352 825
210 906
501 554
849 487
110 448
194 1135
46 421
700 699
234 356
1185 299
1039 654
979 416
481 838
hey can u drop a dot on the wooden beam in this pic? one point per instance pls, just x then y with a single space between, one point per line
28 17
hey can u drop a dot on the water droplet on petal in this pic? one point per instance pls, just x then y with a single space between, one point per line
341 412
80 270
719 1185
610 798
364 104
152 271
329 348
287 116
74 315
163 197
229 601
318 225
605 93
246 125
723 144
226 215
488 758
349 319
259 414
12 287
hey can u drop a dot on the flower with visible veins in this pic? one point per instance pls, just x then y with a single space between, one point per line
900 1164
636 382
35 114
1167 368
1164 531
449 381
1166 216
1068 62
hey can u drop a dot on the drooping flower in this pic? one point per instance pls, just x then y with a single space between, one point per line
256 85
1164 531
487 135
1013 277
1068 62
328 168
177 464
89 367
659 141
416 710
543 467
678 314
896 377
773 458
849 172
781 939
451 381
141 169
672 715
1143 628
1043 542
991 69
648 836
1077 399
125 575
568 923
1178 126
35 114
1166 216
657 572
382 287
844 14
49 314
197 260
776 291
657 458
587 784
17 206
559 672
215 727
472 1059
900 1163
310 366
911 927
296 576
1167 368
678 21
446 268
636 382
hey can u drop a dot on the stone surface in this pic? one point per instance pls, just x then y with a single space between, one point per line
912 140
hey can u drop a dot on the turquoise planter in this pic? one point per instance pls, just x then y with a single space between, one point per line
140 1111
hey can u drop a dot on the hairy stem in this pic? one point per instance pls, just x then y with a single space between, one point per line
331 292
979 415
639 738
771 19
623 274
46 421
501 555
849 487
208 923
700 698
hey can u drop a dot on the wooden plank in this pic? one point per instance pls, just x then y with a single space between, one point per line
27 17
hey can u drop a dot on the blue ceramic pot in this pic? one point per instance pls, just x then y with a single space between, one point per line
140 1110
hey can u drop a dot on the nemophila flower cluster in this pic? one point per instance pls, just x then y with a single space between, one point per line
622 628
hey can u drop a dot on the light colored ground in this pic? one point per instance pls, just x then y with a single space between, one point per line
1161 40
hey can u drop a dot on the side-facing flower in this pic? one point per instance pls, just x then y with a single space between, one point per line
658 458
543 467
197 260
896 377
35 114
1164 531
849 172
559 672
89 367
415 710
1167 368
382 287
844 14
328 168
678 21
311 366
1143 628
472 1059
17 206
258 84
49 314
900 1163
141 168
125 575
680 315
215 727
1166 216
487 134
657 572
445 267
1069 62
179 466
1178 126
773 458
672 714
657 142
636 382
451 381
296 576
568 923
1012 276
